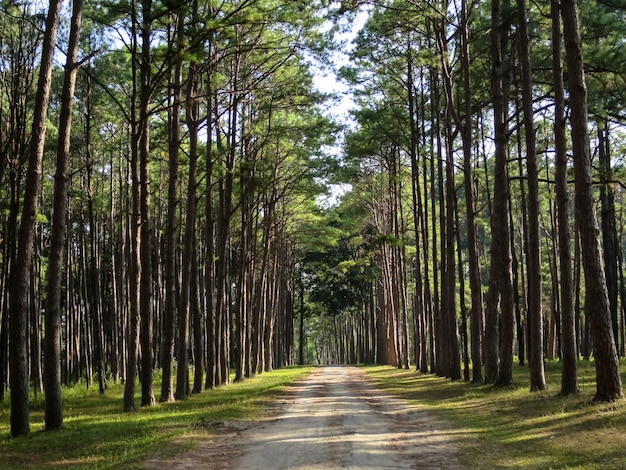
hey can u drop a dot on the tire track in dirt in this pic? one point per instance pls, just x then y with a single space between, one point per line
334 418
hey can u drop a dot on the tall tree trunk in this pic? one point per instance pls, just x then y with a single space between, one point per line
146 288
438 236
115 306
209 265
535 315
171 238
222 297
182 378
524 340
608 380
499 328
419 333
246 260
431 296
134 235
477 313
193 124
427 169
18 322
52 352
18 80
93 288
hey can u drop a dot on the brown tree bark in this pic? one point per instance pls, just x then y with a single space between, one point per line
569 350
451 340
192 118
477 312
499 328
134 235
146 288
246 265
608 380
209 264
17 81
535 314
189 277
52 346
428 168
224 216
419 310
171 228
18 309
94 296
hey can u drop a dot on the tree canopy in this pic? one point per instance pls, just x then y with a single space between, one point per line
173 212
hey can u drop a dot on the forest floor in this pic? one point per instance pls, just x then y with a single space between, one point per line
334 418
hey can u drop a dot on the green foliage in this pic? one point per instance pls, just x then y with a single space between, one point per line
336 273
603 34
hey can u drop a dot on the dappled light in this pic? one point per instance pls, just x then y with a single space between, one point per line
198 196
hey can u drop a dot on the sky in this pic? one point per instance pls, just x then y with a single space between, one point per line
326 81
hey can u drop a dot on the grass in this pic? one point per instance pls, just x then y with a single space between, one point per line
510 427
495 428
97 434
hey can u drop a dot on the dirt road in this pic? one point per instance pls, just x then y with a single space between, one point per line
333 419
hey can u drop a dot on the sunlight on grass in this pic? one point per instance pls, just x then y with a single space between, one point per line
98 434
496 428
513 428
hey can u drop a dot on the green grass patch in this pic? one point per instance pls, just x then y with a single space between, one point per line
514 428
97 434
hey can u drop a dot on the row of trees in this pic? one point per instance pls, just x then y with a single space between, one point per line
155 226
168 219
460 244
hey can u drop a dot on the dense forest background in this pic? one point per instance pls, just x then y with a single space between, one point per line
165 177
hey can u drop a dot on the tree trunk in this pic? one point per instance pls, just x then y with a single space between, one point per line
499 329
171 238
209 265
134 237
524 340
18 322
453 367
193 121
93 275
534 315
419 333
52 352
182 379
608 380
477 313
222 298
146 290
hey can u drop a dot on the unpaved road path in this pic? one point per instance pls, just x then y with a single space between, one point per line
334 418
